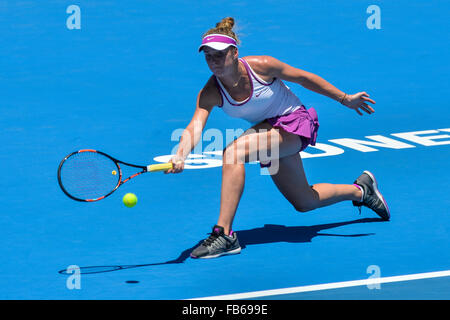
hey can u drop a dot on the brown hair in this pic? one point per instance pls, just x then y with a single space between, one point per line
225 26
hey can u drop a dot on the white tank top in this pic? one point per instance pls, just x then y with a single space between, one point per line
266 100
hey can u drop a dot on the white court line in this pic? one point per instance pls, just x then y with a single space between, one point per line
326 286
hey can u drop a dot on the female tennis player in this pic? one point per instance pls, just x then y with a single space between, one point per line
252 88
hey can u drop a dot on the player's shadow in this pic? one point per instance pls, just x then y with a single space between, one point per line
270 233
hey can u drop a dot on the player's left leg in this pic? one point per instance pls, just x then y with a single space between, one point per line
291 180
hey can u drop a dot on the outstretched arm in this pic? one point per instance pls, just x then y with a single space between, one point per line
313 82
206 100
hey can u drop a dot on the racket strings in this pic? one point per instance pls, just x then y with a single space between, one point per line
89 175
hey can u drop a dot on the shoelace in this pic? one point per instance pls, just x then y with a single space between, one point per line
208 241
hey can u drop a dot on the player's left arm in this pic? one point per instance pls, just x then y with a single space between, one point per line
275 68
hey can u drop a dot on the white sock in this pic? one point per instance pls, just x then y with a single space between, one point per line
362 191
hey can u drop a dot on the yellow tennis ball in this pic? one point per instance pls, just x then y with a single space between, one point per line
129 200
114 172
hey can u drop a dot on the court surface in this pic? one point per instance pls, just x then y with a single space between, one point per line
128 79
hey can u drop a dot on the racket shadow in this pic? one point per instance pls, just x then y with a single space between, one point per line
270 233
102 269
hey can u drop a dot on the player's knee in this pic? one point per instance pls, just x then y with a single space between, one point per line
305 206
232 155
227 156
302 208
309 202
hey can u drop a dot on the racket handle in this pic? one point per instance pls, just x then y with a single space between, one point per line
159 167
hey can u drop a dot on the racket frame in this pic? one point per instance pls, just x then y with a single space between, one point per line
149 168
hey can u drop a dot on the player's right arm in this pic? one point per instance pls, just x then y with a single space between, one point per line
207 98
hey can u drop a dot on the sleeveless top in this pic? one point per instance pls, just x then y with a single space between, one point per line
266 100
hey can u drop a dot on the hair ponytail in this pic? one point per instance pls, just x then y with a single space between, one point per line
225 27
226 23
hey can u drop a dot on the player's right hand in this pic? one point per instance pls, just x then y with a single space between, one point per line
178 164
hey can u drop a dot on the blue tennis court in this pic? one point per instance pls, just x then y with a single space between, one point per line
123 76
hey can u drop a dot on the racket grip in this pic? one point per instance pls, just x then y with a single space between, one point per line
159 167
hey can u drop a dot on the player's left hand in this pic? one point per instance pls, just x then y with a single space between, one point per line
358 102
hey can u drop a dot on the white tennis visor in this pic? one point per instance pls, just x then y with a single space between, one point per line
217 42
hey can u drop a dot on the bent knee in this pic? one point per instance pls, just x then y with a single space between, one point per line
307 203
304 207
232 155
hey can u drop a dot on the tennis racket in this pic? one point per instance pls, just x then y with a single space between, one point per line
90 175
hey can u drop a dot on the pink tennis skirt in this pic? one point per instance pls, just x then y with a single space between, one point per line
302 122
